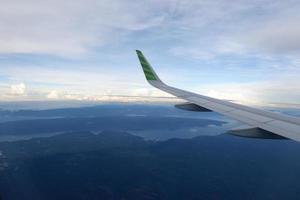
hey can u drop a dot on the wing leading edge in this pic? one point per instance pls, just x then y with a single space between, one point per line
279 124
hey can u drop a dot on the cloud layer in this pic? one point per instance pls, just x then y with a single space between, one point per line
84 49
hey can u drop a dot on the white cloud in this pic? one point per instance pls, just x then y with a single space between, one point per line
70 28
148 92
193 52
204 30
284 91
18 90
66 27
77 81
212 29
53 95
278 36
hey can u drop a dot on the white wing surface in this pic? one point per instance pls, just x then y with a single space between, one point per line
280 125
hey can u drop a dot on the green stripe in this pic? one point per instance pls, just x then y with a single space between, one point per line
149 76
146 67
147 70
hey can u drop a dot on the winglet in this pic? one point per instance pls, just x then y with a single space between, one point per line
148 71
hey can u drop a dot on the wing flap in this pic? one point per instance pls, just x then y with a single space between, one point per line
191 107
254 132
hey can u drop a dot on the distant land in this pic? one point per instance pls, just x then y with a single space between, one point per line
126 117
142 152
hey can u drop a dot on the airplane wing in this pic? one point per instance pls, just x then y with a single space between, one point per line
259 123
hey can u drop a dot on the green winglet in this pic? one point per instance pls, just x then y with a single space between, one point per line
149 73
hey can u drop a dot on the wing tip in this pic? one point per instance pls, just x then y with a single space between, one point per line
148 71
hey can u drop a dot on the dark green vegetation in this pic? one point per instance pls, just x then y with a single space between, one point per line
118 165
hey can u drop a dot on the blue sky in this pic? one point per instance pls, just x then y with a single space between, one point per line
241 50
